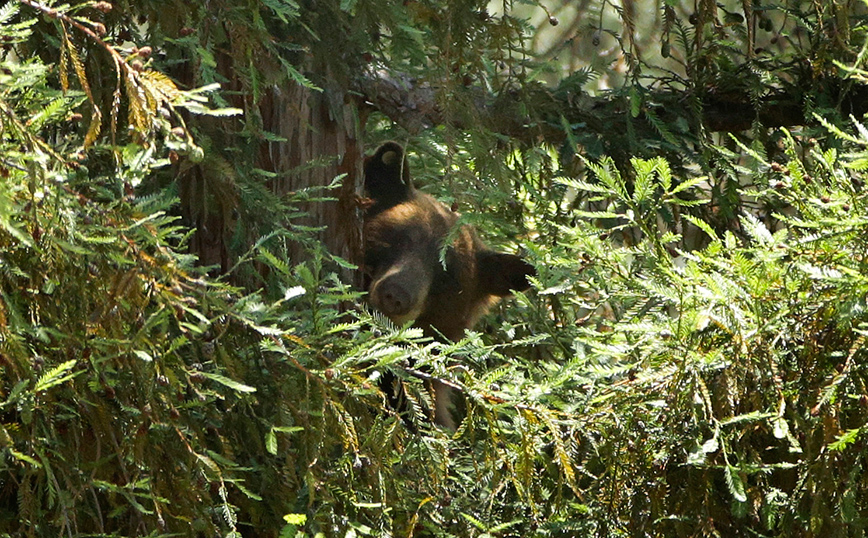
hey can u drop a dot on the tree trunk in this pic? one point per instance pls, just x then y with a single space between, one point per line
321 140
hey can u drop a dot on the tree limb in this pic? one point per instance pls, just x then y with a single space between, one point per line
413 105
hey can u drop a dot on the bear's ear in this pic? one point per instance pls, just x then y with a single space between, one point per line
387 177
499 273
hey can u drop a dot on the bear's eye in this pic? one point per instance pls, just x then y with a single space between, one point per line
378 256
402 242
375 256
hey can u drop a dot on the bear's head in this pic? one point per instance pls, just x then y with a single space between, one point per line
404 235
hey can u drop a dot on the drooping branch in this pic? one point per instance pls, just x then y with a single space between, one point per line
406 101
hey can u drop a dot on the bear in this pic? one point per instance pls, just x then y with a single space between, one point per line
404 232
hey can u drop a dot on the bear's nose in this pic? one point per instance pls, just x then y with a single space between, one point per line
393 299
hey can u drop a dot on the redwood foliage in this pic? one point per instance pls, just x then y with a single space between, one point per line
185 349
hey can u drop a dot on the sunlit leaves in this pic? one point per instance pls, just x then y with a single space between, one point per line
735 483
677 363
724 331
231 383
55 376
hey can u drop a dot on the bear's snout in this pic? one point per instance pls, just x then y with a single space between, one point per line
393 299
401 292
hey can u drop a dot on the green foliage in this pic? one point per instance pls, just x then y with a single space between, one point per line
715 388
690 361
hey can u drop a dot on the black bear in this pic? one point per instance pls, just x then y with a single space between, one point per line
404 234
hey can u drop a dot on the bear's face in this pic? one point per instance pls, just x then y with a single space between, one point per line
404 235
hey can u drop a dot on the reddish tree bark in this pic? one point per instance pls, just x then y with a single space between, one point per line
315 130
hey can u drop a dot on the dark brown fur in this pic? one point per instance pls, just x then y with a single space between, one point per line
404 234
